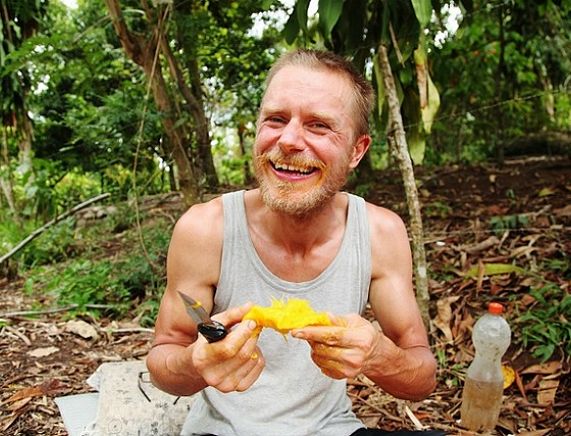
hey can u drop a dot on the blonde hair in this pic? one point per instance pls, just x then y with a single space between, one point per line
363 94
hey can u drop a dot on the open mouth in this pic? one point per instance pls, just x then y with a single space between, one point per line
296 170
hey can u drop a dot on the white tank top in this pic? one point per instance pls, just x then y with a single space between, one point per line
291 396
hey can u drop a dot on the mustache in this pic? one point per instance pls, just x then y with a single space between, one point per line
277 156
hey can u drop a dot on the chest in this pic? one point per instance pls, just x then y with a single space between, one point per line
297 265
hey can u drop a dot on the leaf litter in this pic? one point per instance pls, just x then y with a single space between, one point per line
471 262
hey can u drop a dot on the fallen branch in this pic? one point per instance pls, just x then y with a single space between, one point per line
46 226
128 330
24 313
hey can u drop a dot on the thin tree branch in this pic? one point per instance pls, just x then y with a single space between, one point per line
42 229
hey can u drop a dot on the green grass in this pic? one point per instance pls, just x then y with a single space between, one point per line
544 327
106 274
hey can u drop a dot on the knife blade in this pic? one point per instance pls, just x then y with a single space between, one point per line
212 330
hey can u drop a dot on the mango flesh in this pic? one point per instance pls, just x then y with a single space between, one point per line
284 316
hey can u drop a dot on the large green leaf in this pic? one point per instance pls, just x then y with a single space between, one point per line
491 269
301 12
329 13
297 20
351 27
429 97
416 147
291 29
423 11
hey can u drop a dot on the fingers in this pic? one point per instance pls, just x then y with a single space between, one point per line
347 332
233 316
341 350
336 336
234 363
251 371
337 362
241 372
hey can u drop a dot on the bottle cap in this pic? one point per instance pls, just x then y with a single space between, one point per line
495 308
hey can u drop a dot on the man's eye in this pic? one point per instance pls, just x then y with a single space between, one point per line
275 120
318 125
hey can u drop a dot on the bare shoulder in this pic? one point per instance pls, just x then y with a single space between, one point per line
193 260
193 267
389 242
202 221
391 294
385 223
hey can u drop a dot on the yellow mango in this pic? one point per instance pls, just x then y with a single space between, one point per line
284 316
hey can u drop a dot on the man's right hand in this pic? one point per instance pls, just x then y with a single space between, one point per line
234 363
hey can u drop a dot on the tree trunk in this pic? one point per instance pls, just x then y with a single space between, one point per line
194 104
500 75
398 144
6 178
144 53
202 130
242 142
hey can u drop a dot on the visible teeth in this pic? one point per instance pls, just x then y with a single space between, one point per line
286 167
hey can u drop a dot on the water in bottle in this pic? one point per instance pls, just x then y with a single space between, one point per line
483 387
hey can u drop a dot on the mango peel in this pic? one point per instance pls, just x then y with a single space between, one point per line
284 316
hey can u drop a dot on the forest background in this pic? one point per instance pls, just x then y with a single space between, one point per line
116 115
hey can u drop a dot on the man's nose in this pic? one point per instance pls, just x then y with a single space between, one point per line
291 138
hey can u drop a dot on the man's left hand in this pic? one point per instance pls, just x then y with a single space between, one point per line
344 349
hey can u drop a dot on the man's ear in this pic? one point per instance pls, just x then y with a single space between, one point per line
359 150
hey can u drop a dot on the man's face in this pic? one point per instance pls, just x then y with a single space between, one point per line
305 142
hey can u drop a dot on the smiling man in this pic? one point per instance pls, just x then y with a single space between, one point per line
296 236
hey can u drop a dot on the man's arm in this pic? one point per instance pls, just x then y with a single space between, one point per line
181 362
395 356
401 362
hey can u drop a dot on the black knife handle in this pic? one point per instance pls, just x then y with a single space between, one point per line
213 331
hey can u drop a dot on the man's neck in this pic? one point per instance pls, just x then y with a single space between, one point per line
298 234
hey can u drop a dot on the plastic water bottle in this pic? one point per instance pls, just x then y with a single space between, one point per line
484 385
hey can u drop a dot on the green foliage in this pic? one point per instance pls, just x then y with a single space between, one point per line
363 189
56 244
500 224
561 266
11 231
502 75
437 209
84 282
545 327
100 282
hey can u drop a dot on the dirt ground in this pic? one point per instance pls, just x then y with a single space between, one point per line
44 355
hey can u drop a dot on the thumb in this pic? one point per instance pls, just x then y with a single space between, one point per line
233 315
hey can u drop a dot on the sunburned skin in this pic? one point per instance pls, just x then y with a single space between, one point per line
332 337
327 358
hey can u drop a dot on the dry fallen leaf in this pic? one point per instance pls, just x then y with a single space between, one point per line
42 352
81 328
543 368
48 387
547 391
17 405
535 432
481 246
444 315
564 211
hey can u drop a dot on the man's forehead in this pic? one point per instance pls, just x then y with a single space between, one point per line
308 82
303 71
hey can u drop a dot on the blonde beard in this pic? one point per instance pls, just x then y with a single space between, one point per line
284 197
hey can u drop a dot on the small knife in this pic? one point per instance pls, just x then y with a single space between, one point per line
213 331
